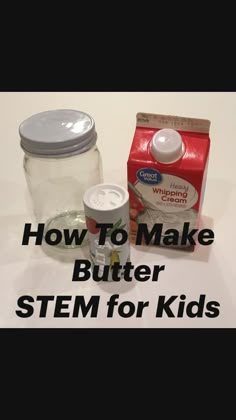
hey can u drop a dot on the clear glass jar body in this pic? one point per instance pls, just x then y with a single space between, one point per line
57 186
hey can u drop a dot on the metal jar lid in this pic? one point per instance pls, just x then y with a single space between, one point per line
58 133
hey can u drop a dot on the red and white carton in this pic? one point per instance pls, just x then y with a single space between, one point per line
167 168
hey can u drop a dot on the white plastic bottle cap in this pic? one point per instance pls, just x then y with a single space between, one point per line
167 146
105 197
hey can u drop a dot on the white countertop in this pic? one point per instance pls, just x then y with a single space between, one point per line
209 270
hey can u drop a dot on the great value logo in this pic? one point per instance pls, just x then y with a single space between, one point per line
149 176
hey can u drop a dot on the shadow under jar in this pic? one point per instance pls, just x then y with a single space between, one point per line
61 162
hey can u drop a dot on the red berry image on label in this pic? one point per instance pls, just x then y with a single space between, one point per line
137 205
91 225
133 213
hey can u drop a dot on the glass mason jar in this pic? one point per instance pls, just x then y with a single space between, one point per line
61 162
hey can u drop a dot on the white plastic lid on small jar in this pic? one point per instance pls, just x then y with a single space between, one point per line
105 197
167 146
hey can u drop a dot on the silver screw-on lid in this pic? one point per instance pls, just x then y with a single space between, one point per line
57 133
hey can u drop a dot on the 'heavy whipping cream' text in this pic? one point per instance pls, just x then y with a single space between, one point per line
172 196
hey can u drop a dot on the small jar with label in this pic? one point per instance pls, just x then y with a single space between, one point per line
61 162
108 204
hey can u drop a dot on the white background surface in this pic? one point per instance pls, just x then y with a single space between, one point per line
209 270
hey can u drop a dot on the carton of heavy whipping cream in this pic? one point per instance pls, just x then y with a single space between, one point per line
167 169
